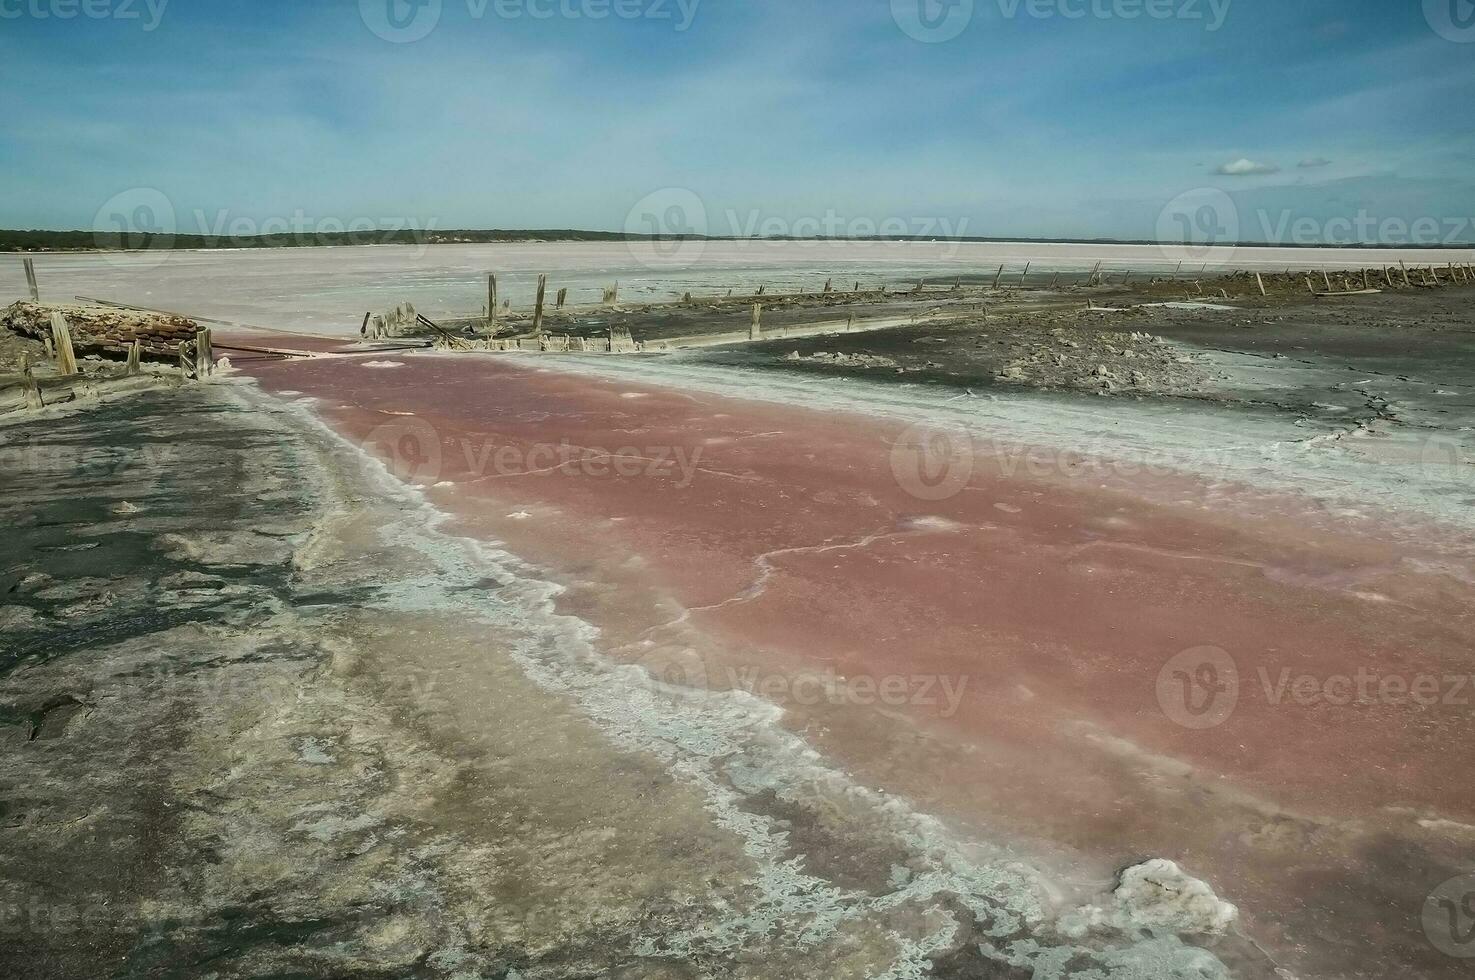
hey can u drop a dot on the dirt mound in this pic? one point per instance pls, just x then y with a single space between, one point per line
99 324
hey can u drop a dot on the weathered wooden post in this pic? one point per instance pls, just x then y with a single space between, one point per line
61 333
1365 283
1126 277
31 279
1327 279
1055 279
1310 288
828 283
997 276
538 305
1024 273
755 329
1406 280
204 354
1095 275
187 358
28 384
135 354
760 290
1261 280
563 296
850 323
491 301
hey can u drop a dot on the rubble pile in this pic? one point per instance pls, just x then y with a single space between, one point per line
102 325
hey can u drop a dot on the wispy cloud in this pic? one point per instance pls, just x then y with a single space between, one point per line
1311 163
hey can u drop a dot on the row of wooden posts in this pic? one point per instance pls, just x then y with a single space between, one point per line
611 296
1428 276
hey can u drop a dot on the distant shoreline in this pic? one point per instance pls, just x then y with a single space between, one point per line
86 241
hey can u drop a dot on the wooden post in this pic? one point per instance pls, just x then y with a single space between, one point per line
1126 277
1309 287
28 383
187 358
755 329
850 323
61 333
538 306
1261 281
491 301
1095 274
1406 280
760 290
1327 279
204 354
1365 283
563 295
827 284
1055 279
1024 273
31 279
135 354
997 276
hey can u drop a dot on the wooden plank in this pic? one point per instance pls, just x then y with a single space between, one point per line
61 334
204 355
538 305
31 279
29 387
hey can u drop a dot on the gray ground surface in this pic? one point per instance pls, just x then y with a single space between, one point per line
259 718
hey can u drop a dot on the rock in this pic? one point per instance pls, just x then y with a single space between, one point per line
1155 897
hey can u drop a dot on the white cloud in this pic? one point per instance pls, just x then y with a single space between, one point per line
1244 168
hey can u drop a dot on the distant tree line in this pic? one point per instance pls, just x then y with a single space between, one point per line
71 241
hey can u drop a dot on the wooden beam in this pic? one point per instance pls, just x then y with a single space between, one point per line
538 305
61 334
1261 280
204 354
31 279
29 387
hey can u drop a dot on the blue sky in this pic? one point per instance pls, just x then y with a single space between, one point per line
759 114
